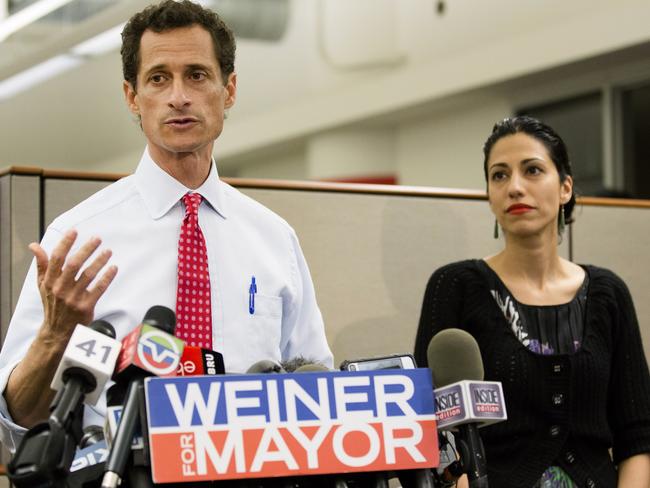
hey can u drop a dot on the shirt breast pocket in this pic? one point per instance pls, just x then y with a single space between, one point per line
266 325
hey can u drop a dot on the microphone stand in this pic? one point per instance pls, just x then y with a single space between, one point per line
46 452
121 448
138 471
472 455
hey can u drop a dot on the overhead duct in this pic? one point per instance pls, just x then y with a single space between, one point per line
63 33
264 20
70 12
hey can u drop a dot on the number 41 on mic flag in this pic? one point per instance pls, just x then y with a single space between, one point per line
261 426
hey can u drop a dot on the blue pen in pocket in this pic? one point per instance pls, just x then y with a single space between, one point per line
252 290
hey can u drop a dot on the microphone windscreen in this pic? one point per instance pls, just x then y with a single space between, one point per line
311 368
265 366
453 355
116 394
92 434
103 327
162 317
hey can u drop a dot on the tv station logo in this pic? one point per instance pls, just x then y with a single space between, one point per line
158 351
487 400
449 403
90 456
151 349
258 426
480 401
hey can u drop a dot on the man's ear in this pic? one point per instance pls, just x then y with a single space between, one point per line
130 96
231 90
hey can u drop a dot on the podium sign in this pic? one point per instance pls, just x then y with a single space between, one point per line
262 426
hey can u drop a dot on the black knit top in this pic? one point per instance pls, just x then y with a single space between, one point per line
565 410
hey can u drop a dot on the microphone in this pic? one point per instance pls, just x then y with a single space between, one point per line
92 435
312 368
150 347
149 350
47 450
197 361
90 355
453 355
115 397
265 366
88 465
463 400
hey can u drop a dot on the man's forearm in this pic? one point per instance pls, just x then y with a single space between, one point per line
28 393
69 293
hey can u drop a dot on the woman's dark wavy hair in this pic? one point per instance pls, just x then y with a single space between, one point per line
543 133
168 15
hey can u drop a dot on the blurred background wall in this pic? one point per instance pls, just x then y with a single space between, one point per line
401 91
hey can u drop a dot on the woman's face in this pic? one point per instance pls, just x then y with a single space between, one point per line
524 187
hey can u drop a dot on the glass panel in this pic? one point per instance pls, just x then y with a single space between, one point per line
578 122
636 144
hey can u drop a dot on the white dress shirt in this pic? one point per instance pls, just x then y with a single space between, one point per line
139 219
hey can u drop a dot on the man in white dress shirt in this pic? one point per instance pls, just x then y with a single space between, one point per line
178 62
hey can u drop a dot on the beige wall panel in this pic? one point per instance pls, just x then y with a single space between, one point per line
371 256
5 254
618 239
20 224
25 228
5 276
62 195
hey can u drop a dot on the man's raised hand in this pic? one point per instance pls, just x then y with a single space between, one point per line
65 281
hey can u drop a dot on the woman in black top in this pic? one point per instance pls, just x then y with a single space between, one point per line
562 338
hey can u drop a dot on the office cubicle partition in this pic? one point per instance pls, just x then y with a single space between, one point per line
370 248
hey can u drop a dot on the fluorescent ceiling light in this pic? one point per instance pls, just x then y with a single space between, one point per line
27 15
95 46
100 44
37 74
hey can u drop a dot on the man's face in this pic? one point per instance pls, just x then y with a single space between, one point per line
180 95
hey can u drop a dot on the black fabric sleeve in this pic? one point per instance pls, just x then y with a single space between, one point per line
629 386
441 308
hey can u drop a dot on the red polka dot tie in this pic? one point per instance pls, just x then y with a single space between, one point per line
193 311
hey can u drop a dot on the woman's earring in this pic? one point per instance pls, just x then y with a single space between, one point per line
496 229
561 222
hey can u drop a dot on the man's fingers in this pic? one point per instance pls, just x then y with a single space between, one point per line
102 284
57 258
88 274
41 260
77 260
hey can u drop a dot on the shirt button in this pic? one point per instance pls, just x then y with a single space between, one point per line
590 483
558 399
570 457
555 430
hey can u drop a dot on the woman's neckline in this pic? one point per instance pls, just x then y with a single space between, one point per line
584 282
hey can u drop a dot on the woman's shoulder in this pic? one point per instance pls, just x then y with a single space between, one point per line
603 276
607 287
465 270
460 266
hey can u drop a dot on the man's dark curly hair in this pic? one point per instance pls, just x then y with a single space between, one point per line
168 15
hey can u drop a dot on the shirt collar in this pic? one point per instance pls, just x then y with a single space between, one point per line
160 191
